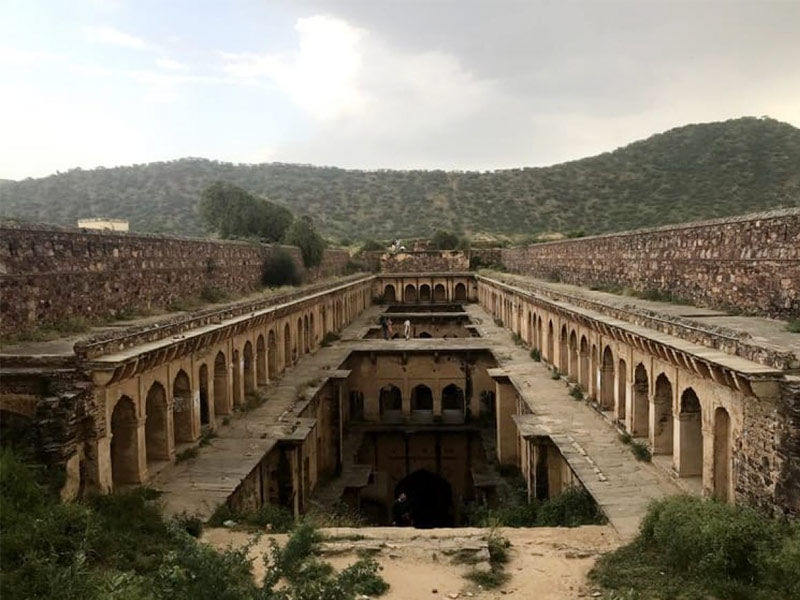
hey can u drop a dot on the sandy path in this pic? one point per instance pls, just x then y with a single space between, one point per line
545 563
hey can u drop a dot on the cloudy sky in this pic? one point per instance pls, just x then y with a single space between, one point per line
376 83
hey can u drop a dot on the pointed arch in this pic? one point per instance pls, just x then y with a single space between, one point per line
607 380
460 292
182 407
202 385
690 451
641 402
622 392
249 371
272 355
722 455
663 421
156 425
261 361
124 443
221 404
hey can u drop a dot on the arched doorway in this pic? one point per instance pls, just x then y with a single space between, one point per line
563 347
298 346
287 346
272 355
306 335
124 446
410 294
641 402
722 455
182 407
237 380
422 403
261 361
460 292
607 380
439 293
573 356
583 377
312 332
323 321
690 455
205 412
391 403
622 391
429 500
453 405
663 422
221 405
156 425
425 293
249 375
550 342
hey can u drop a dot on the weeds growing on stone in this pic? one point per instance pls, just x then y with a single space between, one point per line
641 451
576 392
187 454
693 548
625 438
793 326
275 518
556 374
329 338
536 355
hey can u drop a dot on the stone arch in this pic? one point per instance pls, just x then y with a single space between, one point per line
182 407
272 354
583 376
550 341
221 405
563 347
202 385
422 399
722 455
622 391
607 380
312 332
439 293
156 425
410 294
452 398
323 320
460 292
390 401
237 376
298 345
306 335
261 361
249 372
125 443
430 500
690 451
287 345
641 402
573 356
663 419
424 293
424 334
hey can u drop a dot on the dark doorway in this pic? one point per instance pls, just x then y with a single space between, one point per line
430 499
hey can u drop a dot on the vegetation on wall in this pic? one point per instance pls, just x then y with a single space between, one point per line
303 235
280 269
691 172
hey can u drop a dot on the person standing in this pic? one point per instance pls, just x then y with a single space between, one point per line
407 328
385 328
391 329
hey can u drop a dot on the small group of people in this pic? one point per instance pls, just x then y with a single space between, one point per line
387 328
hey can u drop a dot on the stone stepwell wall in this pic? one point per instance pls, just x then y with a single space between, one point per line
751 263
48 274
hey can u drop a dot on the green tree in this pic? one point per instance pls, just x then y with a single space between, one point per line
445 240
303 235
233 212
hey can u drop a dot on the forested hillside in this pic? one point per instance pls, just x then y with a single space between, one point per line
692 172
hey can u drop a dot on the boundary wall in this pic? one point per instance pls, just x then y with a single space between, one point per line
48 274
749 263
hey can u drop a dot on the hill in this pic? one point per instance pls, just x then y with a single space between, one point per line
691 172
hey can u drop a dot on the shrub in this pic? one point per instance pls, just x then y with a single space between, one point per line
192 524
214 295
571 508
641 451
187 454
329 338
280 269
625 438
556 374
277 518
793 326
372 246
445 240
536 355
576 392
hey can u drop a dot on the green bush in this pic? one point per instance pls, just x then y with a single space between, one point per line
556 374
372 246
536 355
571 508
280 269
641 452
303 235
693 548
793 326
276 518
214 295
576 392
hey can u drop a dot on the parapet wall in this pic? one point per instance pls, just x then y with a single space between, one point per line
751 263
49 274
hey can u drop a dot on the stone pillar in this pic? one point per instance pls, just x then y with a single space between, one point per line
506 402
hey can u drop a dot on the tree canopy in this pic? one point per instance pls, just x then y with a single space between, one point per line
235 213
303 235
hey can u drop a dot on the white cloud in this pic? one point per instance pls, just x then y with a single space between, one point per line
115 37
171 65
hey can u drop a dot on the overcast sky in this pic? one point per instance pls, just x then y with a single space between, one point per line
378 84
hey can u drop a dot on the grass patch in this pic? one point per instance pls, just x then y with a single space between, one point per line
275 518
517 339
206 438
576 392
793 326
536 355
488 579
214 295
498 321
641 452
329 338
625 438
187 454
555 374
689 548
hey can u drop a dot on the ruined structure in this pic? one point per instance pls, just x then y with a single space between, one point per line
714 396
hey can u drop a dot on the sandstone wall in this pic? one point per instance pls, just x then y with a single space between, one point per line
49 274
425 261
750 262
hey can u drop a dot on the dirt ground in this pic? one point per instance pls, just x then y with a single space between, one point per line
545 563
